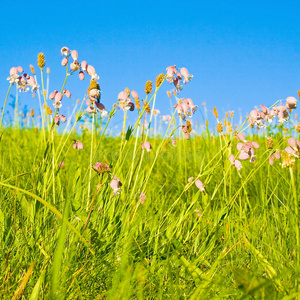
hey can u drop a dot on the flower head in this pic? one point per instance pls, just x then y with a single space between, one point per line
77 145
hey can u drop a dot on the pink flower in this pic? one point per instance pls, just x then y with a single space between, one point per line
191 104
31 81
81 75
190 179
142 198
52 95
101 167
115 185
235 163
291 102
146 145
58 96
77 145
170 73
186 76
92 72
185 131
122 96
101 108
240 136
56 120
63 118
257 118
134 94
64 50
67 93
294 148
64 61
173 142
75 65
84 65
74 54
20 69
177 85
282 113
91 110
199 185
57 104
247 150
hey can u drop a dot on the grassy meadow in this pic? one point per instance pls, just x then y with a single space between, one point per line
164 216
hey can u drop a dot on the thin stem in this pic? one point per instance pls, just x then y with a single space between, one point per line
5 104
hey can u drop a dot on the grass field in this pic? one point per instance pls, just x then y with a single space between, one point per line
177 221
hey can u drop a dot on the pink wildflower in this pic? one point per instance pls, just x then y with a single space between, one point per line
199 185
64 50
81 75
142 198
77 145
186 76
146 145
64 61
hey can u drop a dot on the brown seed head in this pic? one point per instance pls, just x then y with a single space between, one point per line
189 126
159 80
148 87
147 107
137 103
270 142
41 60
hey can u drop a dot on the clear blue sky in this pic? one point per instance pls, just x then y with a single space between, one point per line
241 53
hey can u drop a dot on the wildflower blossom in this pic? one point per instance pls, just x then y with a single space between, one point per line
64 61
142 198
199 185
146 145
186 76
247 150
291 102
116 184
101 168
170 73
236 163
273 157
64 50
77 145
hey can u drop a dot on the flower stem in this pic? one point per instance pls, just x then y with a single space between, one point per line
5 104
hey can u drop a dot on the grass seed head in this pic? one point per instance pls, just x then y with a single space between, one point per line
159 80
41 60
148 87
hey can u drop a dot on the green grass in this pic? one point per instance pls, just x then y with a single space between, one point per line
243 245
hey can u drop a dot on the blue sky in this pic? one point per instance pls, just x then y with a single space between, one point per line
241 53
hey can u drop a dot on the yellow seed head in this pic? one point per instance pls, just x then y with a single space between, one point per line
127 90
206 123
174 93
36 129
32 69
32 112
189 126
169 94
137 103
298 94
226 115
270 143
41 60
148 87
231 114
49 110
220 127
159 80
147 107
44 92
77 101
48 70
298 128
296 116
216 113
287 160
230 129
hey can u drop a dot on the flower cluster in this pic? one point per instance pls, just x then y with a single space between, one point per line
24 81
174 76
258 118
124 101
185 107
57 97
